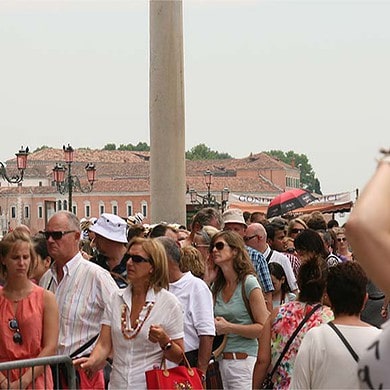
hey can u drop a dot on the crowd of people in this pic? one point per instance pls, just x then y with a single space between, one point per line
292 300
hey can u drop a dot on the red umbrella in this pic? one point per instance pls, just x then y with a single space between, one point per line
288 201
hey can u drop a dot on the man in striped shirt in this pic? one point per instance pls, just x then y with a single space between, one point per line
82 290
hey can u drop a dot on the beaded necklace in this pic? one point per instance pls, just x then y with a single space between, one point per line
128 332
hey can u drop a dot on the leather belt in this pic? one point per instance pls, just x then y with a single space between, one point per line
234 355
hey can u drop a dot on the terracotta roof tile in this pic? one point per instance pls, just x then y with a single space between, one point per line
129 171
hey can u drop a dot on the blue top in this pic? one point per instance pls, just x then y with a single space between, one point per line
261 268
235 311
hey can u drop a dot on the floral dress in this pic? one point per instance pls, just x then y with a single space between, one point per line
286 321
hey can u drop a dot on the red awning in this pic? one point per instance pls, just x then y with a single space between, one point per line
322 207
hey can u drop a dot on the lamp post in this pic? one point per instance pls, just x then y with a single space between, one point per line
70 182
209 200
21 163
224 198
207 179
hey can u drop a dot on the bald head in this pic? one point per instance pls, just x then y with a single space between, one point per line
256 237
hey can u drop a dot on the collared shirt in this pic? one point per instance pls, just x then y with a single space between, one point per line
197 302
278 257
261 268
82 295
118 273
132 357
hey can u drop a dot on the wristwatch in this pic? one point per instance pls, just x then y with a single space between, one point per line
167 346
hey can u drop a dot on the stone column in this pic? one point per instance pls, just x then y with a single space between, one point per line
166 108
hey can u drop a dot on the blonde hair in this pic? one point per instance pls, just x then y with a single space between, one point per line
192 260
10 242
155 250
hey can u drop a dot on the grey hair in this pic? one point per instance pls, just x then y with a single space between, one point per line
73 221
171 248
207 233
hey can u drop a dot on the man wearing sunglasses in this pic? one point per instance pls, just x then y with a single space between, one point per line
258 240
82 290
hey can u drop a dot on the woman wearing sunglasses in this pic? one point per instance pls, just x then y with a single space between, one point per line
141 323
28 314
343 249
295 226
240 317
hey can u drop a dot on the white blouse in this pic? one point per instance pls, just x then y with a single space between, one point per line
131 358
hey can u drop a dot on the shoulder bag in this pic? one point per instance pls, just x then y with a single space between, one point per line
344 340
268 381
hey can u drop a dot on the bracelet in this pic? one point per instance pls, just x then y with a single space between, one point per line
167 346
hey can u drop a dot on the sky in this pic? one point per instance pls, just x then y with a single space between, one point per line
308 76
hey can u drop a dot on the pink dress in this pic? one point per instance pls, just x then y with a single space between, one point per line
29 314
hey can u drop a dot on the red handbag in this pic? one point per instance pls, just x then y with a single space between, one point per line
176 378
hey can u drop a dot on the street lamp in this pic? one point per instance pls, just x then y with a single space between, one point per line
207 179
70 182
21 163
209 199
224 198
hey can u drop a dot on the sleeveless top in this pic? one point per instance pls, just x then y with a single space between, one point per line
29 315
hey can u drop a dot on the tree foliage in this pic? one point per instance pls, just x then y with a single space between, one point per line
140 147
203 152
109 147
308 179
43 147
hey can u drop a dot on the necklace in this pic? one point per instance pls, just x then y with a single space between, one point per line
128 332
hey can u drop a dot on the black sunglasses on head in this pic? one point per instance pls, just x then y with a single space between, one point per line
136 258
13 325
56 235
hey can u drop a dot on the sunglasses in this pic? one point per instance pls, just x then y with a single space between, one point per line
296 230
247 238
56 235
290 250
13 325
341 239
195 245
136 258
218 246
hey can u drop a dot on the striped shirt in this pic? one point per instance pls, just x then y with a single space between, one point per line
82 296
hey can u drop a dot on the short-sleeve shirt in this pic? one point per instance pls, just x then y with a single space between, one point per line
132 357
197 301
322 353
235 311
286 321
82 295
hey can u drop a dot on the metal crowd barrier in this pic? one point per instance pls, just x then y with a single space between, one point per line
53 361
